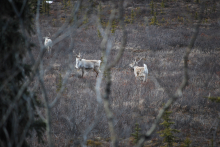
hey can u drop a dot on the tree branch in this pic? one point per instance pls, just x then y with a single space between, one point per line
182 86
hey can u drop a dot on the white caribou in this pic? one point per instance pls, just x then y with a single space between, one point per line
139 71
48 44
84 64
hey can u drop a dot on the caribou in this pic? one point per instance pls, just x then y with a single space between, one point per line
84 64
139 71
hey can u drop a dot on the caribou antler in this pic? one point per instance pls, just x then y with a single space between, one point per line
138 61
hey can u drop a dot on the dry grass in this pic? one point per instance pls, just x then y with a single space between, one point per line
133 101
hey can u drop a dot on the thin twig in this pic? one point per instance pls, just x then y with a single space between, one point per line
107 43
182 86
40 74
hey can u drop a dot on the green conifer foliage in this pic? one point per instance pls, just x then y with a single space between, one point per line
162 6
33 5
154 20
18 117
100 36
152 7
133 14
187 142
45 7
113 26
136 134
196 16
85 19
214 99
167 133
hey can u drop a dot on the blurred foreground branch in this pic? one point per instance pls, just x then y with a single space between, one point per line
182 86
106 46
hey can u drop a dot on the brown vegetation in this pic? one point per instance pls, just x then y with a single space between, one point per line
132 100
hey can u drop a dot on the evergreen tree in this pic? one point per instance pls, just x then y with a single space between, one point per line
187 142
136 135
154 20
214 99
167 133
18 117
152 7
33 5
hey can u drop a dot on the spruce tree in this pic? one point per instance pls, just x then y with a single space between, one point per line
18 117
187 142
136 134
152 7
214 99
167 133
33 5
